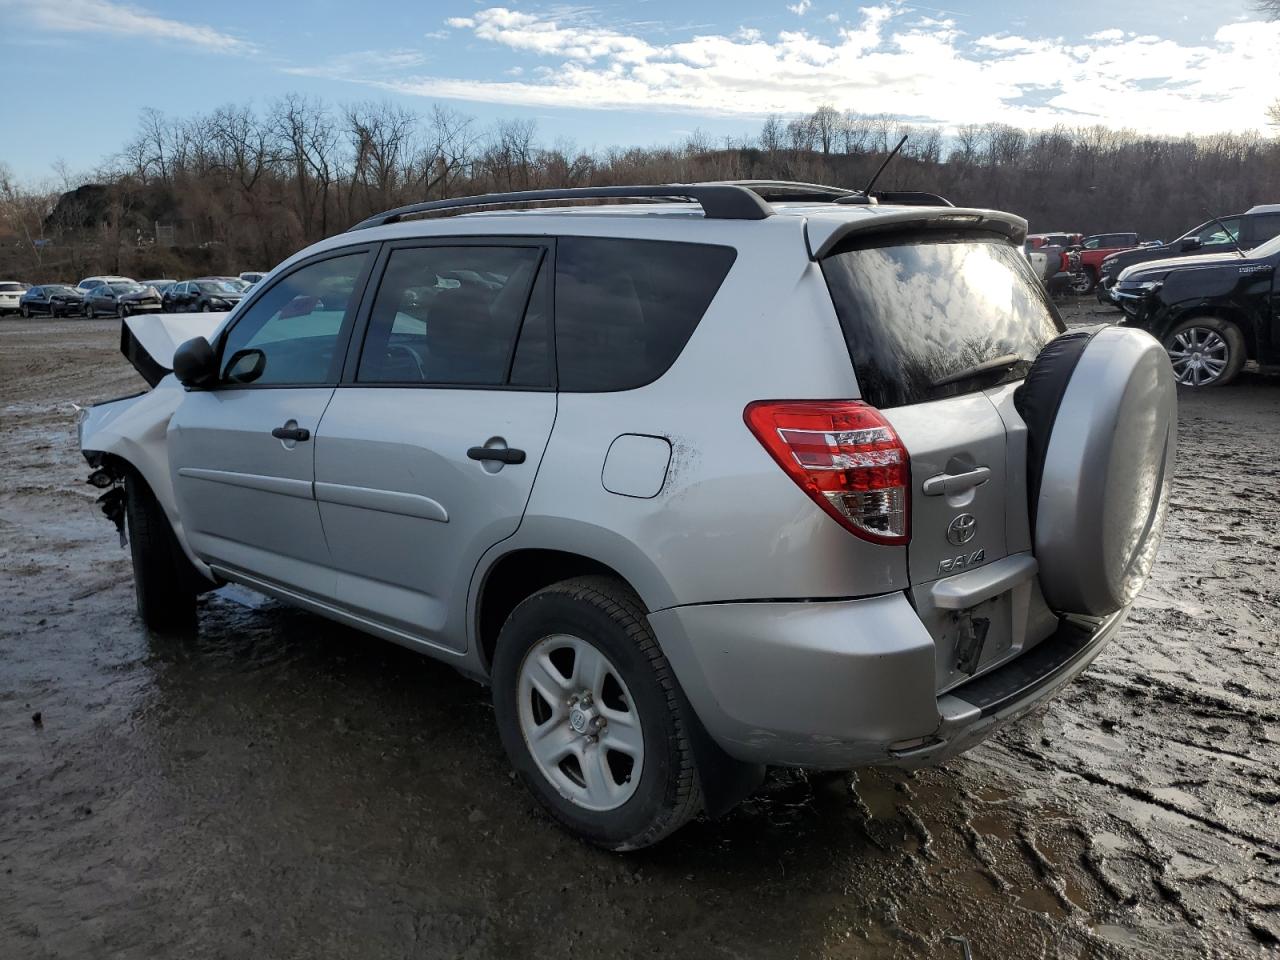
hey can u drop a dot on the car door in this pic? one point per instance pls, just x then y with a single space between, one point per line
427 453
241 453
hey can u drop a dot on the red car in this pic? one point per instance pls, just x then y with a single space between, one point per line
1093 250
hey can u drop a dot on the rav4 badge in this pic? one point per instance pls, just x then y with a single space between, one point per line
963 562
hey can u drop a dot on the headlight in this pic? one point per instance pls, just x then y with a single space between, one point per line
1151 286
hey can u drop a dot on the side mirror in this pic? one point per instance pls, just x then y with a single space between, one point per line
1190 243
195 364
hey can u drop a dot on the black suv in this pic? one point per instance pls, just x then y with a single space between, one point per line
1255 226
1212 312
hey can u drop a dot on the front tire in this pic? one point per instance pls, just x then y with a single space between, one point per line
166 597
591 715
1082 283
1205 352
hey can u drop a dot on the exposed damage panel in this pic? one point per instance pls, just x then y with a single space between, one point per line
149 342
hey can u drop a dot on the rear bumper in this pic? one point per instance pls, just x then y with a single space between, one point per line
843 684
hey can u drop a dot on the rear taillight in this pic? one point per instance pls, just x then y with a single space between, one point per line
844 455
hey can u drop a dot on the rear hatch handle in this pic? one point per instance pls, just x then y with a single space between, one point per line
955 482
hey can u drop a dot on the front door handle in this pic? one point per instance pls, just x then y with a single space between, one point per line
956 482
499 454
291 433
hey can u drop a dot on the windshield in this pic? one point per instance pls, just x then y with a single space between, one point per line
920 311
219 286
58 288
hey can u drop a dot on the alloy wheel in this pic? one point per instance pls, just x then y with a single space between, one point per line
580 723
1199 356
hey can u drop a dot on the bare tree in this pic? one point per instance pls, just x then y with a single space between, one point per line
826 122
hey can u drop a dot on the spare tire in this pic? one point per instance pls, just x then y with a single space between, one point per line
1101 414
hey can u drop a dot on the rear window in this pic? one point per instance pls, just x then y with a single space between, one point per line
920 310
626 308
11 287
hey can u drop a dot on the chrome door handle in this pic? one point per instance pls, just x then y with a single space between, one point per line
955 482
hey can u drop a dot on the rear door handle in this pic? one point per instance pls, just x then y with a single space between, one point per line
291 433
955 482
499 454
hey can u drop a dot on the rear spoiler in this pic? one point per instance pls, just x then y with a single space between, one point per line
829 235
149 341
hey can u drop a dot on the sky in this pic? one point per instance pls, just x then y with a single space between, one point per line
75 74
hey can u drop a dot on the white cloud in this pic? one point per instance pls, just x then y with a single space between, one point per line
893 61
801 8
104 16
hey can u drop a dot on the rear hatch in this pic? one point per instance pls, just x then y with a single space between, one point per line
941 326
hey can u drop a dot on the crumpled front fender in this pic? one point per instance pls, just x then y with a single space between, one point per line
134 429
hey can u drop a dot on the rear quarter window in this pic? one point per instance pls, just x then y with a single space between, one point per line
624 309
916 310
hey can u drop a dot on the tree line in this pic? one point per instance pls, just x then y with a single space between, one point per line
240 188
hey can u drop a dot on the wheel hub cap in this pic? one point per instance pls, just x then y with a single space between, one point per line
580 723
1199 356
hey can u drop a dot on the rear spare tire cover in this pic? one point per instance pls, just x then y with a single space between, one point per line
1101 416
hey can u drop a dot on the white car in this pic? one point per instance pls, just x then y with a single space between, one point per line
11 292
89 283
253 276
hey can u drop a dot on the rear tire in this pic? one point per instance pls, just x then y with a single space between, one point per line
1205 352
26 312
637 702
166 596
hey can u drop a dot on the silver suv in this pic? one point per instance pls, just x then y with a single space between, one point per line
758 474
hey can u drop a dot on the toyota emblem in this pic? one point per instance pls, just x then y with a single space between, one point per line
962 528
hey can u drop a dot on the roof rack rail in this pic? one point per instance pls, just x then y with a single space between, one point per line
798 192
792 190
719 201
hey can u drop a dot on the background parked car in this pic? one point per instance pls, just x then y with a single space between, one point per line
1093 251
1212 312
120 300
88 283
51 300
204 295
11 292
1059 239
1056 266
252 276
1250 229
160 285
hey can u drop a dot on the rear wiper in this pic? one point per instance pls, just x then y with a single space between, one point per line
994 365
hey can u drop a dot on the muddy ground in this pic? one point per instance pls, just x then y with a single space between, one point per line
284 787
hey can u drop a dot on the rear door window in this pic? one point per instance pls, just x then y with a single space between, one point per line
449 315
919 312
626 308
1260 228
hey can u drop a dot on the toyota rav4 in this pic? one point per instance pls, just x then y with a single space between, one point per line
756 474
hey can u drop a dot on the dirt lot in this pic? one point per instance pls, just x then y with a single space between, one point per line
283 787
